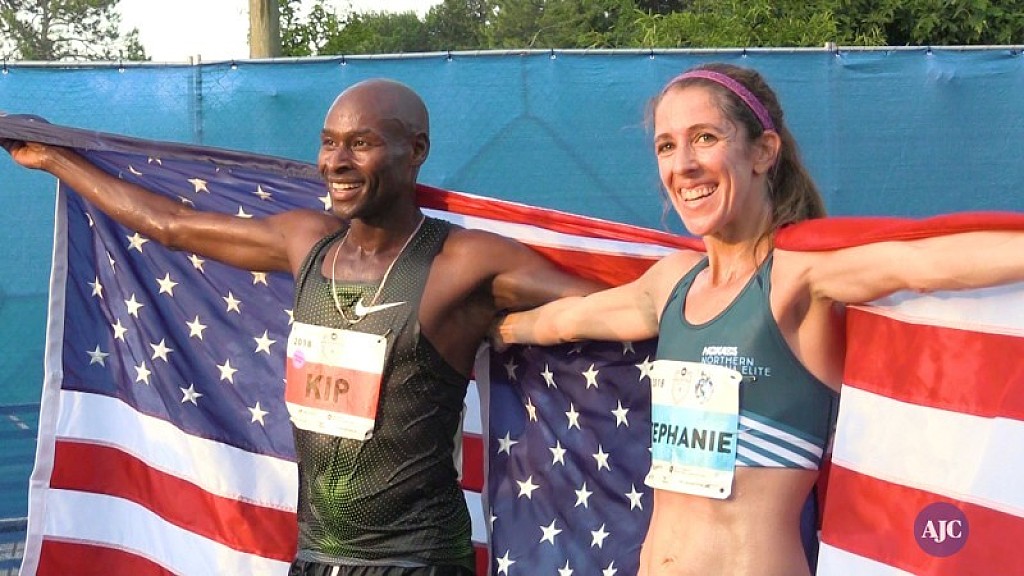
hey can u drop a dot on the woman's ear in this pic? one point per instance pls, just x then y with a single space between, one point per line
766 151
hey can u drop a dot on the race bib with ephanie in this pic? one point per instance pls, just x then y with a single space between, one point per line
333 379
694 427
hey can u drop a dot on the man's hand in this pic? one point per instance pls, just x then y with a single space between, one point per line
27 154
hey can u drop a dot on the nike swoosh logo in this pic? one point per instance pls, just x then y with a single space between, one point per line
361 310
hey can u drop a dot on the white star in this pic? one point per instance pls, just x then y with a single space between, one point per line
190 395
620 415
119 330
132 170
591 376
491 519
97 356
167 285
263 343
154 160
557 454
611 570
550 532
135 242
291 317
504 563
259 278
576 349
505 444
583 497
199 184
531 410
232 302
326 199
263 194
111 261
196 261
574 417
88 217
258 413
133 306
549 377
598 537
627 348
195 328
565 570
226 371
97 288
142 373
242 213
634 498
645 368
526 488
510 368
602 458
160 350
186 201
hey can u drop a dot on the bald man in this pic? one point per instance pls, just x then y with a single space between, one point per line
409 299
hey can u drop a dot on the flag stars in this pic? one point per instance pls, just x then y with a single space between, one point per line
226 371
133 306
132 170
111 261
199 184
549 532
591 376
635 498
620 415
97 288
291 317
557 454
326 199
510 369
232 302
242 213
565 570
135 242
119 330
261 193
583 497
197 262
611 570
505 444
264 342
142 373
526 487
627 348
160 350
97 356
190 395
195 328
549 377
573 416
531 410
504 563
257 414
259 278
602 459
645 368
597 537
167 285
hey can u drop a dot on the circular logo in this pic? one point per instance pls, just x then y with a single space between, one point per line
941 529
298 359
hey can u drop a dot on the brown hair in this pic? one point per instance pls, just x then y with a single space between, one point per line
793 194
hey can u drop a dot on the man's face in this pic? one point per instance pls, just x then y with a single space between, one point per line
368 157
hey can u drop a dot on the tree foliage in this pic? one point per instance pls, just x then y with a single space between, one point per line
563 24
50 30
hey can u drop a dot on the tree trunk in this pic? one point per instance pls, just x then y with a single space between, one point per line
264 29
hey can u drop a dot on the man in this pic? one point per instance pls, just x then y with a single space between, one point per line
409 298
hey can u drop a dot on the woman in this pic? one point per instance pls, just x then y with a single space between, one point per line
751 338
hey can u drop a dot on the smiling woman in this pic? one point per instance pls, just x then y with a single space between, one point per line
194 30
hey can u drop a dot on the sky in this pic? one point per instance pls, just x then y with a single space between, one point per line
216 29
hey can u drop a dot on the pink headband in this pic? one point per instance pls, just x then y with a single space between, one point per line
736 88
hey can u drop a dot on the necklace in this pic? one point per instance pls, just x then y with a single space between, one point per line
380 287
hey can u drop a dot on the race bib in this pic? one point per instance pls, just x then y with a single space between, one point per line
694 427
332 380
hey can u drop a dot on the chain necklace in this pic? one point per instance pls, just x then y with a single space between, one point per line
380 287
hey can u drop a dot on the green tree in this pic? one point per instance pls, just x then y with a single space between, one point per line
379 33
459 24
932 22
309 36
51 30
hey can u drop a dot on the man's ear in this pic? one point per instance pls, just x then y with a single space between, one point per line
420 148
766 151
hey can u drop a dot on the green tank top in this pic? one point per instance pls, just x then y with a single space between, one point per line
786 413
394 499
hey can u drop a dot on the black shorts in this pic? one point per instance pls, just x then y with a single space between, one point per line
304 568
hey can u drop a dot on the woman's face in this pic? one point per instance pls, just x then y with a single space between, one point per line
707 166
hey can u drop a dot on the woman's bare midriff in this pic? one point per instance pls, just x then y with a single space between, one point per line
755 532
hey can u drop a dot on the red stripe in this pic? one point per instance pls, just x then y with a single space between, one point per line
59 558
960 370
875 519
483 561
246 527
472 462
612 269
